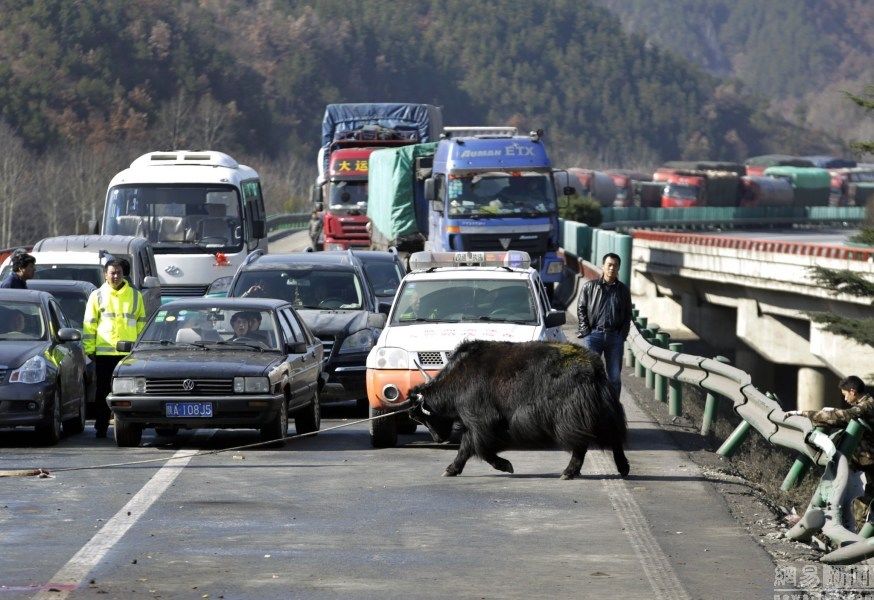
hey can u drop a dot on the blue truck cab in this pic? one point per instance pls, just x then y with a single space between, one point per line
493 191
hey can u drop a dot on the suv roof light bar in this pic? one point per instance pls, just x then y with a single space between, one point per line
511 259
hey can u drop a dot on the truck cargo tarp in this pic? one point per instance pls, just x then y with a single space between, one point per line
391 193
425 119
801 177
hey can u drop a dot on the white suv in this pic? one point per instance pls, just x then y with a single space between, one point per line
449 297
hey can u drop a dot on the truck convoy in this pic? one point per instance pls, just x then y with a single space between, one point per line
350 133
473 191
685 188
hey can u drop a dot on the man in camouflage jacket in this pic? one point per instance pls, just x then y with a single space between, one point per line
862 408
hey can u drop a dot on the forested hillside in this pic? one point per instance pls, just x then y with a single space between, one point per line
800 54
87 86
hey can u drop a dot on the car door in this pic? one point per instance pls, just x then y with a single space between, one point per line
309 364
69 360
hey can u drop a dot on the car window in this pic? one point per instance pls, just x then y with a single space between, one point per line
211 326
293 317
304 288
385 277
57 316
22 321
286 329
295 327
72 307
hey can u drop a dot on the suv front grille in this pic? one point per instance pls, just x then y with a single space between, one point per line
184 290
202 387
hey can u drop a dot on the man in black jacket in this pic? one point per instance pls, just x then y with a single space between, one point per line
23 268
604 315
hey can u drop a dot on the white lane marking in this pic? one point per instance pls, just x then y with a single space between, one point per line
658 570
77 568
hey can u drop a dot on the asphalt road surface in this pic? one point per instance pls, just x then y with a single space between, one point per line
330 517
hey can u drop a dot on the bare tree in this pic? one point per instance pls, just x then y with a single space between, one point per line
14 162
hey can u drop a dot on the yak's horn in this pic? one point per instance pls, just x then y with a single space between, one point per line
428 378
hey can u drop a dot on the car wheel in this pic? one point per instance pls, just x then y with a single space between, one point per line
309 418
166 431
406 425
127 435
50 433
277 429
77 423
383 432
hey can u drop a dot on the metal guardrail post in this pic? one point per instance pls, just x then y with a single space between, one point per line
630 360
639 369
711 403
733 442
653 339
661 382
675 393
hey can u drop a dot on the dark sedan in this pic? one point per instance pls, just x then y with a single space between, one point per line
42 366
224 363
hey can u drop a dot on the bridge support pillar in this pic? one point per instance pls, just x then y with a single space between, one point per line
811 388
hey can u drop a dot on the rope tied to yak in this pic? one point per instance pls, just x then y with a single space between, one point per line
43 473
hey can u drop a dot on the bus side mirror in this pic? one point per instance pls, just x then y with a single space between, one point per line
429 189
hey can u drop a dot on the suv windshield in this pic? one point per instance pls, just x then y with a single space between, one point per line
21 321
500 194
177 217
467 300
211 326
305 288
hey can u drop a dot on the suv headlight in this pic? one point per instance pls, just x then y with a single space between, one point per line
251 385
128 385
388 358
360 341
32 371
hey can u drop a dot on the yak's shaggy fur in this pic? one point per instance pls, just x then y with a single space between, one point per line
533 394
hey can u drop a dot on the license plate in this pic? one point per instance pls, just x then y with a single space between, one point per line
188 409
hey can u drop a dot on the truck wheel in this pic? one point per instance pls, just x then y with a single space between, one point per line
127 435
309 418
49 433
383 432
277 429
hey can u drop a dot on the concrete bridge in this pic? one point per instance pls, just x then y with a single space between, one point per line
749 299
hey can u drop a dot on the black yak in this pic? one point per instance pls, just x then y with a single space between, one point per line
532 394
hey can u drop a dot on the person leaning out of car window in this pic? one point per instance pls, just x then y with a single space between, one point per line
115 313
23 268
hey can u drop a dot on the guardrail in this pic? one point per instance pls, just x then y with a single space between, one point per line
665 368
281 225
727 217
865 254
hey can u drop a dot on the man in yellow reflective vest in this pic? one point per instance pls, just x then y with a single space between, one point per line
115 313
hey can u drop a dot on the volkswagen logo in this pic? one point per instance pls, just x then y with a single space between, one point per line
188 385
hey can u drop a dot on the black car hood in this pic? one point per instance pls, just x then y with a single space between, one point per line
333 322
188 362
14 352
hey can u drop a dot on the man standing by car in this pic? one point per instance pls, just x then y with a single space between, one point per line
604 315
115 313
23 268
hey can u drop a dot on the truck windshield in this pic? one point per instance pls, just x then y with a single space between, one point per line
177 218
465 300
305 288
683 192
348 197
500 194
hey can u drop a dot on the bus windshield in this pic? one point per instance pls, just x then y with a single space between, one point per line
500 195
177 217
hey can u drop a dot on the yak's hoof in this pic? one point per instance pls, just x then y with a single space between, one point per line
567 475
450 472
503 465
624 469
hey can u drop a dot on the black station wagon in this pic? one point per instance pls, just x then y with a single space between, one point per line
223 363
